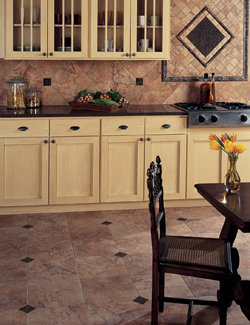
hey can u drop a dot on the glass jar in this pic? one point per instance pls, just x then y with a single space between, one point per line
16 90
32 97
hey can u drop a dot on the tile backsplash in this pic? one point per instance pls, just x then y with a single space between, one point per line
69 77
140 82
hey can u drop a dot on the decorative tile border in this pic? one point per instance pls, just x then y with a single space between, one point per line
184 37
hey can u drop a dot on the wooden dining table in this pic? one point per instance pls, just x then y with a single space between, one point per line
236 210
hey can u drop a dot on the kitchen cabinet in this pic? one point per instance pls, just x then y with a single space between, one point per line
210 166
130 29
24 162
127 151
41 29
122 159
74 161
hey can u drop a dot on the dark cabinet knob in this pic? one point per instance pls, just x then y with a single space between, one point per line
141 139
45 141
166 126
127 55
123 127
44 54
134 54
53 141
50 54
148 139
75 128
23 128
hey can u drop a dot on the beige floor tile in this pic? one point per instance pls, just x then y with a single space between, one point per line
47 294
96 266
13 317
108 289
75 315
114 313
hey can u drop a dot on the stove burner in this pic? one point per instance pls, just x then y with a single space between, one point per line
195 106
233 105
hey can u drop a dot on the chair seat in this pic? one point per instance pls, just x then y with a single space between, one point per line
209 253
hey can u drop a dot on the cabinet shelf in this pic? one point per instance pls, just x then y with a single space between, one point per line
27 25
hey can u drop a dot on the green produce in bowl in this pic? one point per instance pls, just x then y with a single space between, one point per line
103 102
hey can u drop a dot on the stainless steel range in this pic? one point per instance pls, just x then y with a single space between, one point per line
222 114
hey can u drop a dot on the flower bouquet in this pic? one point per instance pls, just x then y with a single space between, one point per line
227 144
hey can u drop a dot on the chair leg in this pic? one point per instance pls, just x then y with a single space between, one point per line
155 294
223 301
161 291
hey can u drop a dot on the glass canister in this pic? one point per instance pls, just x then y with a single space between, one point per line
16 90
32 97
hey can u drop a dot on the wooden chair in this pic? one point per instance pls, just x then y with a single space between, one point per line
208 258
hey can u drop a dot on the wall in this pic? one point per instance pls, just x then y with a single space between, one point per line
69 77
2 28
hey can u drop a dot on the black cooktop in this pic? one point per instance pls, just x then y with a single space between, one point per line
208 107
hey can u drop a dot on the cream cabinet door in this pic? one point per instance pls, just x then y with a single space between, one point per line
204 165
110 29
26 29
122 168
23 171
172 151
68 29
74 170
243 163
150 29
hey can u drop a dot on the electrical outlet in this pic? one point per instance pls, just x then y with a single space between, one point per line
139 81
47 81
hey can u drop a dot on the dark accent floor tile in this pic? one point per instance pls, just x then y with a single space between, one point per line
182 219
140 300
27 309
28 226
106 223
27 260
120 254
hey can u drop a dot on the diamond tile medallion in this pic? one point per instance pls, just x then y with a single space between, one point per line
208 36
205 36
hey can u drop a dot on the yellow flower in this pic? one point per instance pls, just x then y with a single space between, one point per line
241 148
214 145
229 146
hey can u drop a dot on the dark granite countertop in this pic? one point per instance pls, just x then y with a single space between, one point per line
64 111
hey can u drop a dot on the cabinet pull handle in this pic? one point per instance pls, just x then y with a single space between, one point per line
148 139
141 139
127 55
123 127
166 126
44 54
53 141
23 128
50 54
45 141
134 54
75 128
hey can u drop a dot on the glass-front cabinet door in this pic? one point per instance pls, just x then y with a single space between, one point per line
42 29
26 28
110 29
68 28
150 29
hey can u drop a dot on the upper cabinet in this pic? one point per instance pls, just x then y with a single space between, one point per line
87 29
130 29
37 29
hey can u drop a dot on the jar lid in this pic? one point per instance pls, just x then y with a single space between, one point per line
32 89
16 79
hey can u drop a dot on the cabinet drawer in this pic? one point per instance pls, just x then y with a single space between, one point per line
78 127
123 126
24 128
166 124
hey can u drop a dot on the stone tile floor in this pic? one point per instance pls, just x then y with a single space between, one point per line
94 268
